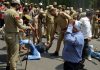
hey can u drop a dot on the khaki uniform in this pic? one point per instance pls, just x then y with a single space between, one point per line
12 25
38 21
34 13
67 11
41 23
35 33
44 25
61 20
50 26
95 27
72 13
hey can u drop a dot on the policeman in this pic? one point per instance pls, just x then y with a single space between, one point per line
95 25
99 23
41 22
61 20
81 14
45 27
67 10
72 11
37 23
55 4
49 24
59 7
7 5
12 26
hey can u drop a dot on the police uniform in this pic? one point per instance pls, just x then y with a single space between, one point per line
61 20
50 26
41 21
35 33
45 27
12 25
72 11
34 13
95 25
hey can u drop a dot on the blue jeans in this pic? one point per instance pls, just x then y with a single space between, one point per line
34 52
93 54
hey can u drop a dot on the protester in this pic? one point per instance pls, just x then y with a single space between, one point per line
87 32
24 22
93 53
73 46
34 54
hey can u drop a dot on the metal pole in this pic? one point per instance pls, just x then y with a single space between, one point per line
27 53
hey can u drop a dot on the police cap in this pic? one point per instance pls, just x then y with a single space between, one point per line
16 1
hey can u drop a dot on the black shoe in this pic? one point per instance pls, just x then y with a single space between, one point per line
55 54
7 67
83 69
44 36
24 59
45 51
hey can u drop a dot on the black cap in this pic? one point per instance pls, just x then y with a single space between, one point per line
89 13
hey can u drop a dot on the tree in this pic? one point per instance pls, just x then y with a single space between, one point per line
75 3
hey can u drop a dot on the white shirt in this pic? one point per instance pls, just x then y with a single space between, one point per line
86 27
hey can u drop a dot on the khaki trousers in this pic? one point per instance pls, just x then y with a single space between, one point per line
50 30
12 41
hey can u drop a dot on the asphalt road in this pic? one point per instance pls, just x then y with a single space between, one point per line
47 62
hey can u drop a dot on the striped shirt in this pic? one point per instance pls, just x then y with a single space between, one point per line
73 46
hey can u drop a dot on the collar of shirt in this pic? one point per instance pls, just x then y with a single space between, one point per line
70 28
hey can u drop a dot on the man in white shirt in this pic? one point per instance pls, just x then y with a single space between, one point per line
86 27
87 32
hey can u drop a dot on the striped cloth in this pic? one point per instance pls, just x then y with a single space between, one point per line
73 46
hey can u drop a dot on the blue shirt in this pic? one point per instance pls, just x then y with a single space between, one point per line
73 45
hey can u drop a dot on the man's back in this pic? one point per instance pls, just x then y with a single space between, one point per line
86 27
10 20
62 20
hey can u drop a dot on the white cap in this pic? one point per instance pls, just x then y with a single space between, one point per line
40 3
77 25
26 3
16 1
91 46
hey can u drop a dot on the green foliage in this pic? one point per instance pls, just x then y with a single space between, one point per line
74 3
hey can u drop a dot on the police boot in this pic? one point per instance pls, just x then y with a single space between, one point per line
55 54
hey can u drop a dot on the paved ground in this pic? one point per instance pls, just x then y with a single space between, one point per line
47 62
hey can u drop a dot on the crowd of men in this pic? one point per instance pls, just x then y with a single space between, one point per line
22 20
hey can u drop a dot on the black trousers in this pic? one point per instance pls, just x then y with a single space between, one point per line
1 23
86 45
84 53
71 66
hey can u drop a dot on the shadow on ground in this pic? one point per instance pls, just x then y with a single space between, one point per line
59 67
2 68
3 58
2 61
48 55
4 48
